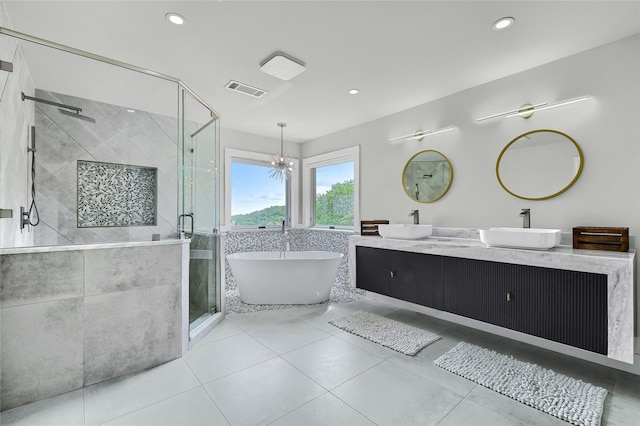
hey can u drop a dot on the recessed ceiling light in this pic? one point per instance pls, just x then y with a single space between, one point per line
131 110
503 23
354 91
174 18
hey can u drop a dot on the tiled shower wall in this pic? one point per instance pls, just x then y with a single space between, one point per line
118 136
72 318
15 118
299 240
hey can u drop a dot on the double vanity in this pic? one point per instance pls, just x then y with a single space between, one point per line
522 283
579 302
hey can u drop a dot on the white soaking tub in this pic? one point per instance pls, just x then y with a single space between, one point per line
284 277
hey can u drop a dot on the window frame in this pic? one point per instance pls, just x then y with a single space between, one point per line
308 183
258 158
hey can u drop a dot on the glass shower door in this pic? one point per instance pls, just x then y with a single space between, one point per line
199 213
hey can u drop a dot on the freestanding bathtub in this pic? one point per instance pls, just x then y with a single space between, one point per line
284 277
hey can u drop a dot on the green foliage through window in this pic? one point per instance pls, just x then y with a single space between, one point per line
335 207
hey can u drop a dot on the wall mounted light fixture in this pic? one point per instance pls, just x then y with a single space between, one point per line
527 110
418 135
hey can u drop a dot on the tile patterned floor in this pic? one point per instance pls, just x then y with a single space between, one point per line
290 367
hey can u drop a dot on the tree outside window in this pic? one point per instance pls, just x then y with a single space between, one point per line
334 195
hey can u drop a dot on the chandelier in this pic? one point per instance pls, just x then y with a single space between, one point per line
282 165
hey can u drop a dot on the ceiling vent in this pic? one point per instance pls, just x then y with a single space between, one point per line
246 89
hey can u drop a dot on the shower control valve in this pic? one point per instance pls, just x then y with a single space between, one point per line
24 217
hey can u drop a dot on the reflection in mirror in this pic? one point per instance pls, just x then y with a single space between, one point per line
427 176
540 164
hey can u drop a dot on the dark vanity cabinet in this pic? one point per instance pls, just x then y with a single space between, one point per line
564 306
412 277
568 307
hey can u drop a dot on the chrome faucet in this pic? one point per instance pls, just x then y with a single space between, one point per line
416 216
286 244
526 218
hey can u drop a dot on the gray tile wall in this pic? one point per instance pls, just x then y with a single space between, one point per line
118 136
130 331
39 277
41 350
73 318
15 118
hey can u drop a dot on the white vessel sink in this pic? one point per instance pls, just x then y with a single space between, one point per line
405 231
527 238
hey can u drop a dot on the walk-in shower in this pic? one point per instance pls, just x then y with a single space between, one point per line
122 154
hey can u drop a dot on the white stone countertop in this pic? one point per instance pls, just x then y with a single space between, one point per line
465 243
560 257
91 246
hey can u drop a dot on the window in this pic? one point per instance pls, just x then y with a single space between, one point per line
331 189
334 195
252 197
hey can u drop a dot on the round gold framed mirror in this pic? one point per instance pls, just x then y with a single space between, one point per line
427 176
539 165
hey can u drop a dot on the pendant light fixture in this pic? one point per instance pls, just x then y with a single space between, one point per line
282 165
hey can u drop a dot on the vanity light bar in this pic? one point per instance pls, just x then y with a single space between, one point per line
508 113
536 109
530 109
421 134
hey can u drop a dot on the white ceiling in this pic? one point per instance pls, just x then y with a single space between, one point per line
398 53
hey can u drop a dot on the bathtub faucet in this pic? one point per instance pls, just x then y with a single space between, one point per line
286 244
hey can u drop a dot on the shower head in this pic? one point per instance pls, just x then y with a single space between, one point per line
76 115
60 106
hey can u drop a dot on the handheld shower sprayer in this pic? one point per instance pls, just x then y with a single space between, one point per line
31 216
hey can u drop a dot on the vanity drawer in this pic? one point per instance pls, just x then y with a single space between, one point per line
412 277
568 307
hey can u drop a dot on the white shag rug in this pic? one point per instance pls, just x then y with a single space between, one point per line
395 335
568 399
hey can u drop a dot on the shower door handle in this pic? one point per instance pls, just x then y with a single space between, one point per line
181 223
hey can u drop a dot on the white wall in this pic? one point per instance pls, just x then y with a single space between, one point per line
607 128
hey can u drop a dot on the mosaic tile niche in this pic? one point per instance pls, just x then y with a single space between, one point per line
116 195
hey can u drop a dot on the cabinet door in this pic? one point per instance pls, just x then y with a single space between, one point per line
569 307
407 276
412 277
373 269
417 278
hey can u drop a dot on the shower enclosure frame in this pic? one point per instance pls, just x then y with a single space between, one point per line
183 89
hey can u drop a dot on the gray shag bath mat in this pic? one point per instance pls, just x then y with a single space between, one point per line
568 399
395 335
